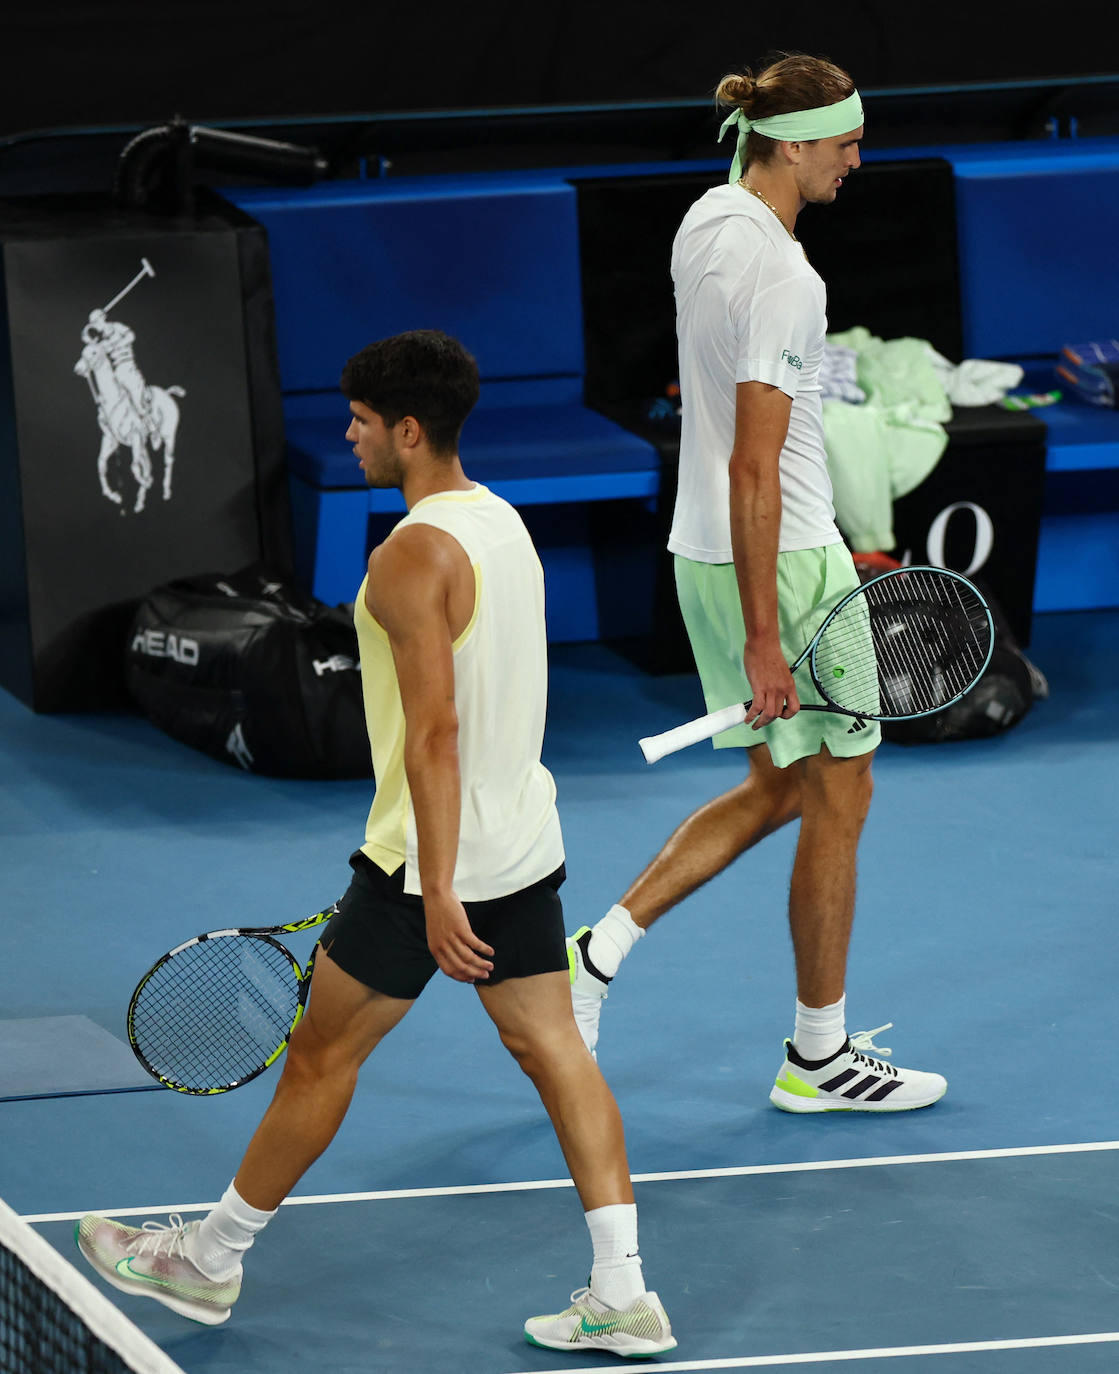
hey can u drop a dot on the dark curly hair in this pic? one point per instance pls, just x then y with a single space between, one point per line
423 373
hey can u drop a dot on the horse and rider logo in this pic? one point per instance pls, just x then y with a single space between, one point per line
131 414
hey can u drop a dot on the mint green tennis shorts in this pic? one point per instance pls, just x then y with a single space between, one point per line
809 583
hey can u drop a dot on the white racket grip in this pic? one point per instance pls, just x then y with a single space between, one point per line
691 732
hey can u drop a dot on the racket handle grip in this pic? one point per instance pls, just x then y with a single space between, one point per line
691 732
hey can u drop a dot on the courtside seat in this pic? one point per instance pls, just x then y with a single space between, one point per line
498 260
533 451
1035 224
1078 552
1037 228
492 258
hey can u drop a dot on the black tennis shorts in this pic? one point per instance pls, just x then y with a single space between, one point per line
379 936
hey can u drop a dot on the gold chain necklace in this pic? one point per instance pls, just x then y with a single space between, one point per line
755 192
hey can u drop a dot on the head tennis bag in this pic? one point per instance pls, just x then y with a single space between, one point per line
252 672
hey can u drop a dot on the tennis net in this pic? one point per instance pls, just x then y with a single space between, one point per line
53 1320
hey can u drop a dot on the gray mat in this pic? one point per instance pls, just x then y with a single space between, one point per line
53 1056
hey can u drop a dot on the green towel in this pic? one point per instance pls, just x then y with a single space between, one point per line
885 447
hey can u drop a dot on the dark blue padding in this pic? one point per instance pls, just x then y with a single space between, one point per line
1081 437
1037 247
565 447
492 259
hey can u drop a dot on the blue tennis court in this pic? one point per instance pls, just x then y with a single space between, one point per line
977 1235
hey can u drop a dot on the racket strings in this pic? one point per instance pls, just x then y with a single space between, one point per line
907 644
932 637
216 1010
844 662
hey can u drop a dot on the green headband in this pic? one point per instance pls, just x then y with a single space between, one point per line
825 121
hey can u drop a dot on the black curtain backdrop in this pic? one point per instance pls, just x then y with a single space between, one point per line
83 63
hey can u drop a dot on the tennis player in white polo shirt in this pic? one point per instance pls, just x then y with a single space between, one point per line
759 562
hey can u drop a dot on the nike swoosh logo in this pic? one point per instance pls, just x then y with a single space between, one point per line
596 1328
125 1269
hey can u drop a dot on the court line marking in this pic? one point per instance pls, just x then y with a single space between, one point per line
835 1356
540 1185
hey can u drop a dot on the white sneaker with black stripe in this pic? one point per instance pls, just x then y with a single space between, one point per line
852 1081
588 987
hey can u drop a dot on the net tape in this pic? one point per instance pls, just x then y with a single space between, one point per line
53 1320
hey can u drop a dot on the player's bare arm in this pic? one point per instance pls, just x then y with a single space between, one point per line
421 590
761 424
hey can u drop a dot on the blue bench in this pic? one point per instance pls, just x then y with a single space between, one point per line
494 260
1037 227
1078 546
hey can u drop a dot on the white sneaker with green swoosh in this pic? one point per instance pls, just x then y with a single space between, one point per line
640 1330
152 1261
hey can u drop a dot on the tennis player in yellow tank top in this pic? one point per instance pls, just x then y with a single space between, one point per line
459 870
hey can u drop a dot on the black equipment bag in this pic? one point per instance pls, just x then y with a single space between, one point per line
999 700
252 672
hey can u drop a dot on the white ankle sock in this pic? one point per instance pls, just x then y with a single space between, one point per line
616 1274
224 1236
820 1031
612 939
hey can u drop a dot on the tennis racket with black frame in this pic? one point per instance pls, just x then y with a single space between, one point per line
905 644
216 1011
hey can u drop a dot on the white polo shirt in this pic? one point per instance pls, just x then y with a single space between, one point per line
749 308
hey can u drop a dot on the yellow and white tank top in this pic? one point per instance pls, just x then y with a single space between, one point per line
509 834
